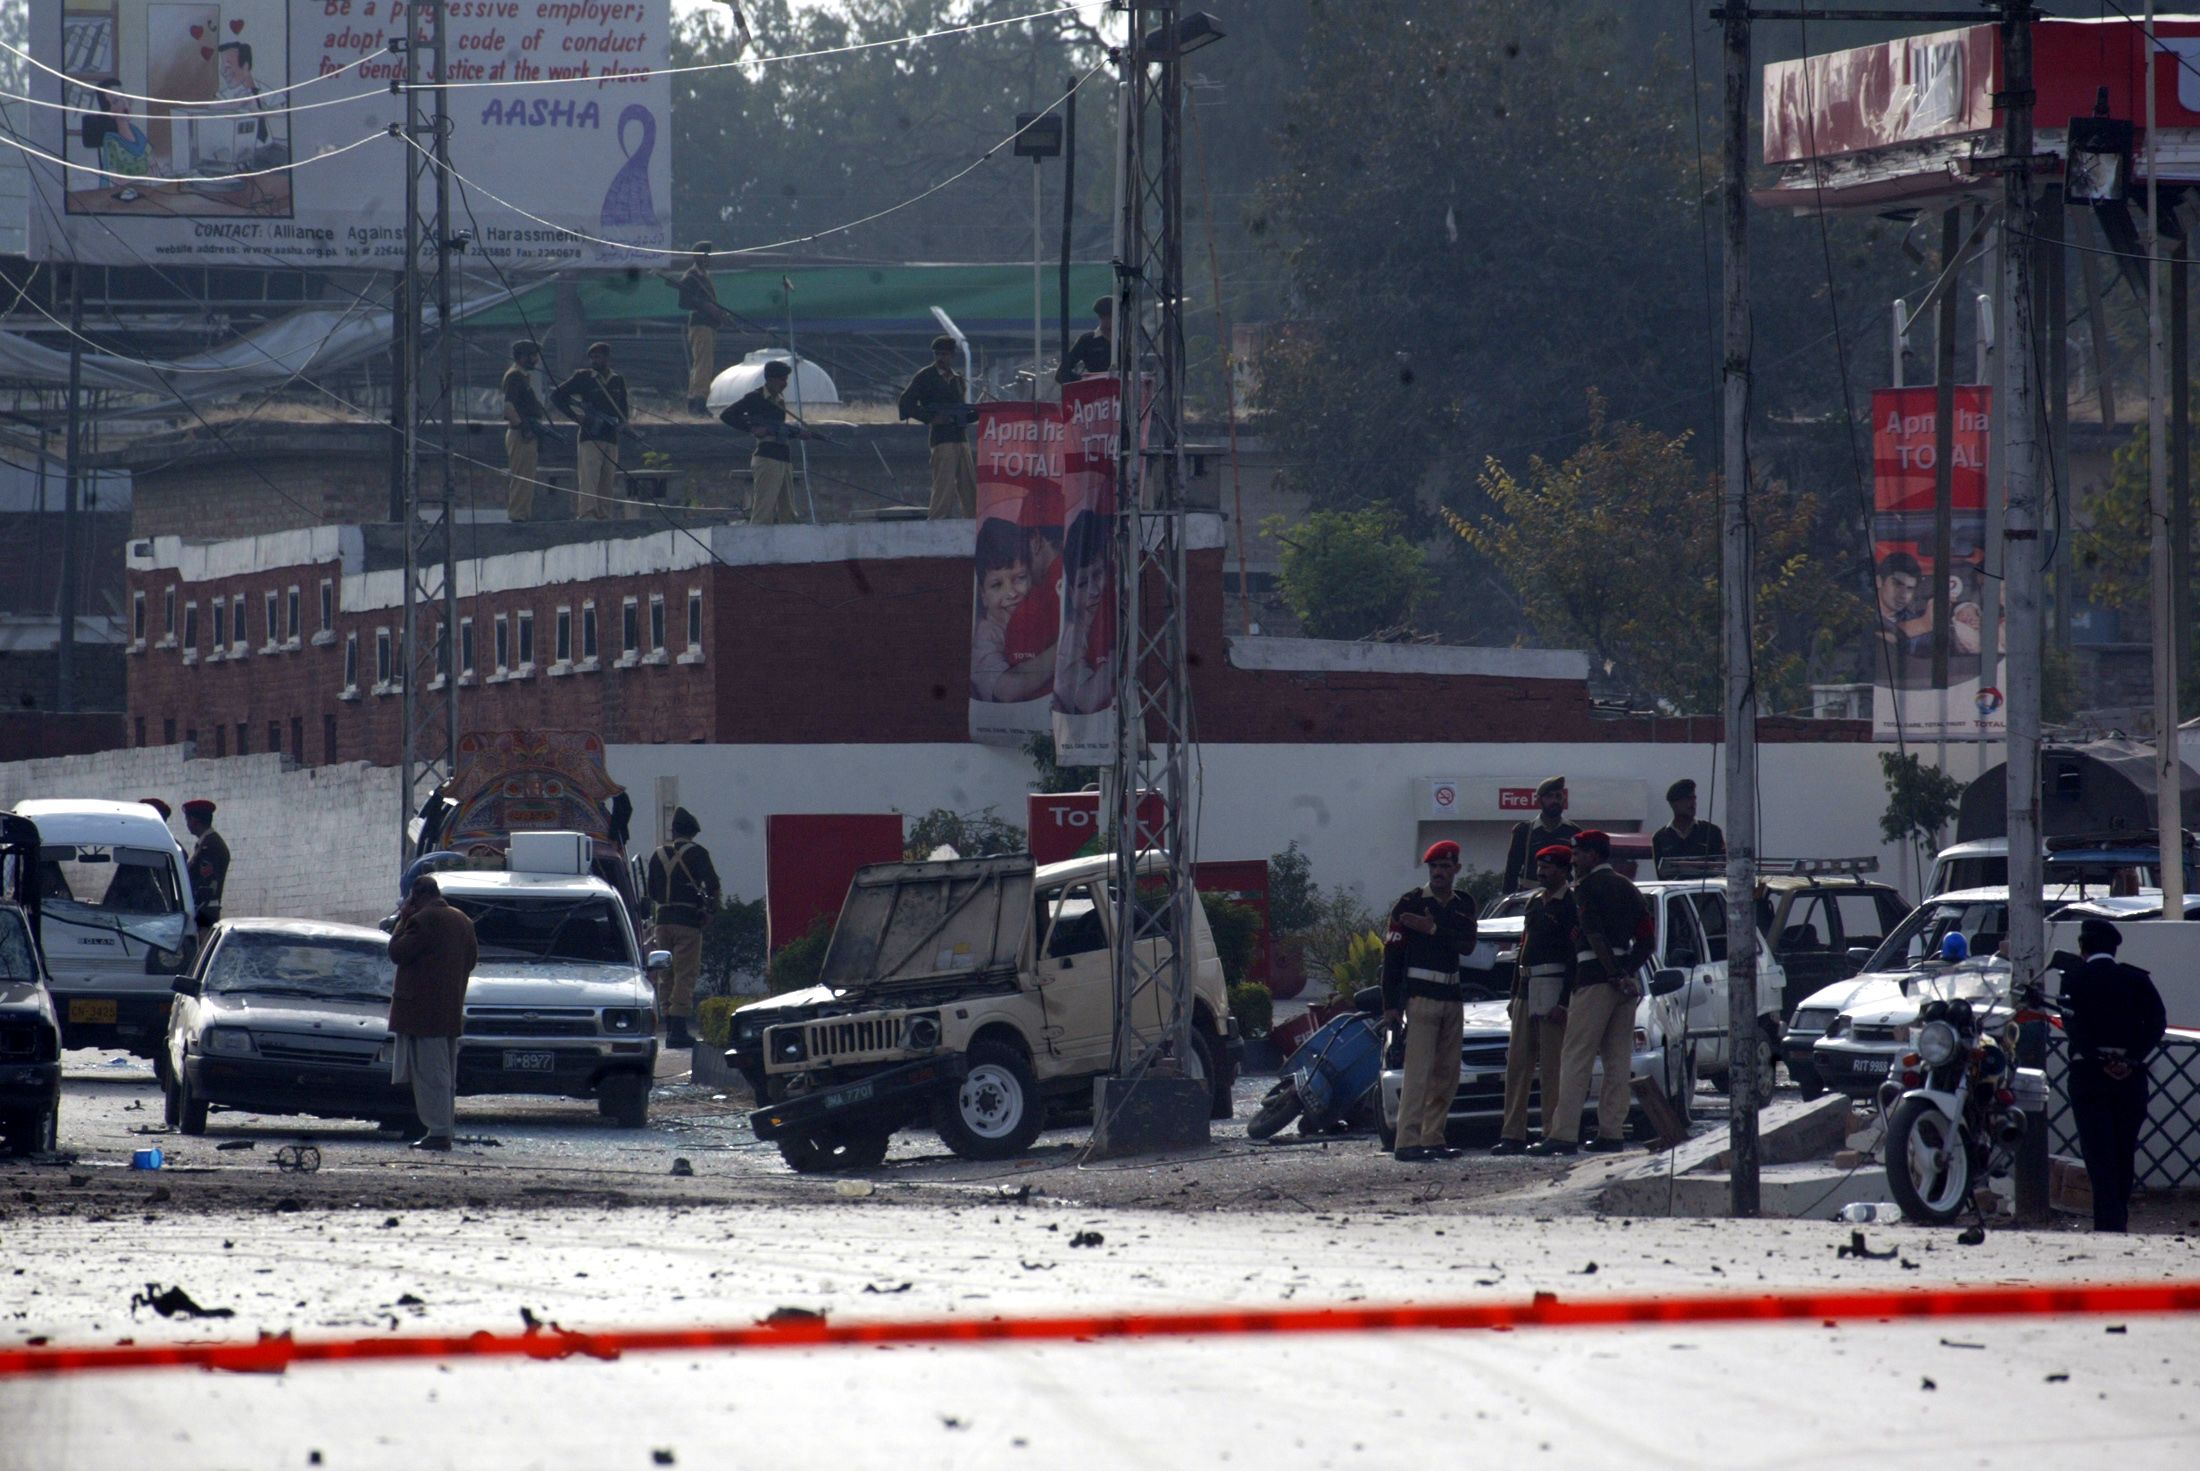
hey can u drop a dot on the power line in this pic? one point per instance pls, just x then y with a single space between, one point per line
239 108
805 239
222 102
325 154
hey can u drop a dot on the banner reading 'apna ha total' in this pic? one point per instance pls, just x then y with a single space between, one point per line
1085 655
1016 613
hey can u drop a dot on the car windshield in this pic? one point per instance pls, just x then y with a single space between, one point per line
18 962
1982 923
589 931
301 965
82 879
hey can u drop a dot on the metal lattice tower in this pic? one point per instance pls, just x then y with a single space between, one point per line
431 586
1153 738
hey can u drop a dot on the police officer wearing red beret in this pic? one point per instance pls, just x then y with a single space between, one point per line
1429 929
209 867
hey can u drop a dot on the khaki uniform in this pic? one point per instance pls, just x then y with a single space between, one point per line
1546 957
599 402
771 466
1600 1014
683 892
954 483
1425 985
596 478
930 396
699 299
702 360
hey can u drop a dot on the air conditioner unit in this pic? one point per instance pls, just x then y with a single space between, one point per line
552 853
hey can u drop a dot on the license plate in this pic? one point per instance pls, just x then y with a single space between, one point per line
530 1062
1871 1066
92 1013
852 1094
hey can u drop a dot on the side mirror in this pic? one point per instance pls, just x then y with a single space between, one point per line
1667 981
660 960
387 924
185 985
1860 953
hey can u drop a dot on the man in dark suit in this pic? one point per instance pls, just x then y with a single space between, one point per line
2113 1018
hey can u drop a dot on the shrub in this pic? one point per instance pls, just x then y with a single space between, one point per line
1253 1007
798 962
714 1018
1236 930
1361 964
733 945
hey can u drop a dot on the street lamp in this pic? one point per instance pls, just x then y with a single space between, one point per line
1038 138
2098 167
1193 31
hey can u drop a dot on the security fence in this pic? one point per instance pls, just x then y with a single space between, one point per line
2169 1148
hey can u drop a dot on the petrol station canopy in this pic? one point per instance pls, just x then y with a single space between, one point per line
1912 123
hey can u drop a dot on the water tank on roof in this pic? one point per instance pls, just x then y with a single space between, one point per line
811 384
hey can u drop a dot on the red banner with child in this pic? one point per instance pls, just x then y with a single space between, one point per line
1084 661
1017 603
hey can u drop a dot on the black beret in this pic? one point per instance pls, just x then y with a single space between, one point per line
1685 787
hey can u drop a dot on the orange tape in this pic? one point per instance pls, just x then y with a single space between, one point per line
276 1353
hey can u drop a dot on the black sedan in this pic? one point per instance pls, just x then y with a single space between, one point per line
30 1042
284 1016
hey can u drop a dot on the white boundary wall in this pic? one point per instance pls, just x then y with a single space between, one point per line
315 842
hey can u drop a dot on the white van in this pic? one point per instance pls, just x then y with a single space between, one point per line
118 921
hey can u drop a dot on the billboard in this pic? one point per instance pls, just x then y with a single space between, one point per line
1085 656
1905 701
259 133
1016 607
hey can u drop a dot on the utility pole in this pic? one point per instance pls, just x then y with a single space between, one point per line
72 497
1734 586
1152 1100
2022 475
2168 768
427 666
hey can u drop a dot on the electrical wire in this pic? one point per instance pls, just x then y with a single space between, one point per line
107 352
805 239
238 107
224 102
711 66
150 180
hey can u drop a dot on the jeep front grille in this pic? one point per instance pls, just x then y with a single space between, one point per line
854 1038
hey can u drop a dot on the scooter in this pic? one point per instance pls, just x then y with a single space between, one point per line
1330 1082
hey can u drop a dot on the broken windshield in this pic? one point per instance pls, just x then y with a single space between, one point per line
298 965
914 921
587 931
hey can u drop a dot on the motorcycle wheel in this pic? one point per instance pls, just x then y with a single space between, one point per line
1928 1163
1276 1110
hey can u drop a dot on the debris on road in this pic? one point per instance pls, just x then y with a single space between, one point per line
681 1166
887 1291
229 1145
1858 1249
298 1159
1087 1238
786 1317
174 1302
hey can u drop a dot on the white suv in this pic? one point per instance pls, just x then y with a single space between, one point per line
561 1000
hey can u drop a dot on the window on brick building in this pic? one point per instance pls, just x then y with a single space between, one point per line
656 622
385 666
695 619
563 637
504 643
442 650
465 646
167 731
588 632
274 737
137 620
221 740
526 638
236 621
351 663
221 626
244 739
328 604
290 624
272 605
191 736
630 627
140 730
168 612
191 627
328 739
298 739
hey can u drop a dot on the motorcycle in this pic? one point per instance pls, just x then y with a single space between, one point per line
1953 1114
1330 1082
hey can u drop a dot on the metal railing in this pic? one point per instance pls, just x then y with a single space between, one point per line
2169 1146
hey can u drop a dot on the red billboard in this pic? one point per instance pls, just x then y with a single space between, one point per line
810 859
1062 824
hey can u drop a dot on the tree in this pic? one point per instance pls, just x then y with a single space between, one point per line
1294 901
1348 574
1614 549
971 834
733 944
1236 931
1921 801
2110 550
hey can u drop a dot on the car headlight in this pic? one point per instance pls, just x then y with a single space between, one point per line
1936 1043
923 1032
624 1020
228 1041
787 1044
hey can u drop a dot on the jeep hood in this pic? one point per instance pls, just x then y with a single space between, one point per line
553 983
906 922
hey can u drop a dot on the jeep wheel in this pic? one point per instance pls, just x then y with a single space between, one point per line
171 1105
623 1098
996 1111
824 1154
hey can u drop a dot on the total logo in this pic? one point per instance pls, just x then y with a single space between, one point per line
1989 702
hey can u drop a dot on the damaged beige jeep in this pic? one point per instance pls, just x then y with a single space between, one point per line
969 996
